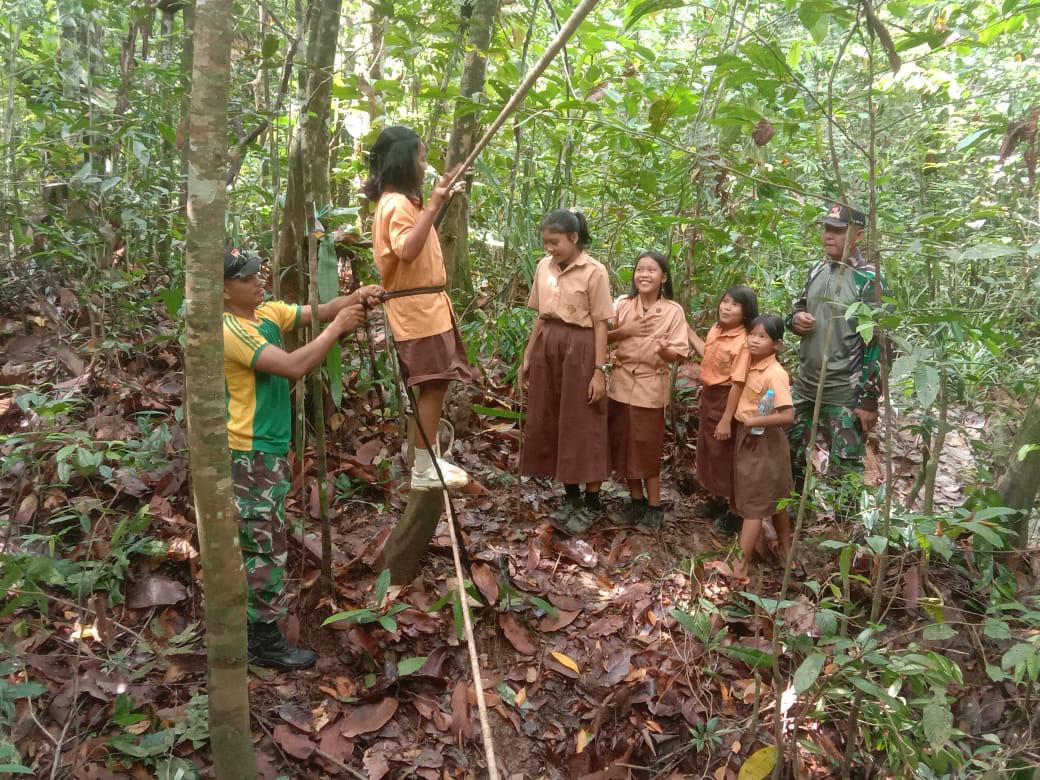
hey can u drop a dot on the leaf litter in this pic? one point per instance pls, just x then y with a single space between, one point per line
585 667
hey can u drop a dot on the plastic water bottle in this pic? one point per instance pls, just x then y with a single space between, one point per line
765 406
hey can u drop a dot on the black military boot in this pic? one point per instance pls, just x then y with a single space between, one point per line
268 647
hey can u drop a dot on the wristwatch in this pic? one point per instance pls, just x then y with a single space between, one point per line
605 368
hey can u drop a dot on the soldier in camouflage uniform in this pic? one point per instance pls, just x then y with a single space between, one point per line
257 372
852 383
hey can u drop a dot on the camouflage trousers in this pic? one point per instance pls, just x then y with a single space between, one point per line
839 429
261 484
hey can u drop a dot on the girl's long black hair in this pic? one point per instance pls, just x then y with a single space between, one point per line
568 221
666 271
393 161
748 300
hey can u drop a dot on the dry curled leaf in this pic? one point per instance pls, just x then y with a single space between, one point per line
518 636
369 717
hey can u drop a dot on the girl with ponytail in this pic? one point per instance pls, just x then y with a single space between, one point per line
565 369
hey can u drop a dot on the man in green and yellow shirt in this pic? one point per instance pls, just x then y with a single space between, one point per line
257 373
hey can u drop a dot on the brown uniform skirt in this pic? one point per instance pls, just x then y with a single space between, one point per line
565 437
762 471
714 457
636 440
430 358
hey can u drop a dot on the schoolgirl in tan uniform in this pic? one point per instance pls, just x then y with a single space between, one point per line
565 367
724 366
650 333
762 458
407 252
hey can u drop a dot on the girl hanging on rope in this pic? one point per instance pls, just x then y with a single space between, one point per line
724 367
650 333
565 367
407 253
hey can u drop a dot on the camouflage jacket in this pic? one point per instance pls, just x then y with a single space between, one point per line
853 365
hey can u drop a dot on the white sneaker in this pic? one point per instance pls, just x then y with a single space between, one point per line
454 477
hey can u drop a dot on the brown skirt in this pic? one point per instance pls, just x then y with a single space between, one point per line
636 440
435 357
565 437
714 457
762 471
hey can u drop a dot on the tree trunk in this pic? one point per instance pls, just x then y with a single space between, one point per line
322 33
454 231
224 575
1019 484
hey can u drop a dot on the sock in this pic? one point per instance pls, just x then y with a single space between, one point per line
572 491
423 461
592 501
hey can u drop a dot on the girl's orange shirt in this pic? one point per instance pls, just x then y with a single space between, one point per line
414 316
726 357
766 374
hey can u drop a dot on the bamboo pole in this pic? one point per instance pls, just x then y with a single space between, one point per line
533 75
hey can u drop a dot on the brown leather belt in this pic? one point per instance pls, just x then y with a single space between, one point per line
407 293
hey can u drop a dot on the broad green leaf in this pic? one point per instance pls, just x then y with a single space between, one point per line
926 384
753 657
410 665
989 251
807 672
494 411
936 632
997 629
972 138
381 587
649 7
938 720
759 764
328 269
334 371
1025 449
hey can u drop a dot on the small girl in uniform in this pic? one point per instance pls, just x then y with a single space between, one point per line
407 253
762 463
565 368
650 333
724 366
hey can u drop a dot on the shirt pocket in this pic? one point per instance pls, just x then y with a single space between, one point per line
756 387
724 361
574 305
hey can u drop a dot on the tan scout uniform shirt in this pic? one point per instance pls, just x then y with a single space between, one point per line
415 316
578 295
726 357
639 377
767 374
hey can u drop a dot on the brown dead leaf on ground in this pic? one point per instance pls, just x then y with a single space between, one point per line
369 717
519 637
155 590
293 742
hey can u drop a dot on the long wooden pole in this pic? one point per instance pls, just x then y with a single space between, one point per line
576 18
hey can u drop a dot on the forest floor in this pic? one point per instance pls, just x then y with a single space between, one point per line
587 671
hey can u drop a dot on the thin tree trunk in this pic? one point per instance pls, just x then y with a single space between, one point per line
322 34
224 575
1019 484
454 232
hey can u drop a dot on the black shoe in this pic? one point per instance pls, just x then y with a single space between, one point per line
631 514
729 524
711 510
269 648
653 519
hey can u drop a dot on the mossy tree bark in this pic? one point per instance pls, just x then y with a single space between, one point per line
454 231
311 152
223 572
